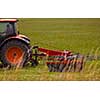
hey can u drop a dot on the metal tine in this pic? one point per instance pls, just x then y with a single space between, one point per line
75 62
70 66
49 67
66 68
60 66
78 66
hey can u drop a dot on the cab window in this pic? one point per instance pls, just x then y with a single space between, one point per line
3 27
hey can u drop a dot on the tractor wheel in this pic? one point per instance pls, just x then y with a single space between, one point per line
14 52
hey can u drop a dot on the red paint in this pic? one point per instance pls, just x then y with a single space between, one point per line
54 52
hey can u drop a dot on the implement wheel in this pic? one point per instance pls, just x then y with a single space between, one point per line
13 52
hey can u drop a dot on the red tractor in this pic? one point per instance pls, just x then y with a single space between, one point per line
12 45
15 50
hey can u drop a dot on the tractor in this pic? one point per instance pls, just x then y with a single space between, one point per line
12 45
15 50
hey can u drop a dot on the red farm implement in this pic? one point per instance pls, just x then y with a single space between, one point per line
59 61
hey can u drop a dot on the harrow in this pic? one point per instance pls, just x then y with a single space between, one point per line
58 61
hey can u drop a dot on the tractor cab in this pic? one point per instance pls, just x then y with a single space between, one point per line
7 28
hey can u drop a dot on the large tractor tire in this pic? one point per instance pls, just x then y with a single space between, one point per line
14 52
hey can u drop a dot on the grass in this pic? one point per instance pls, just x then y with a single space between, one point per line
77 35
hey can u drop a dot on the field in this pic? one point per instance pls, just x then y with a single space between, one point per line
77 35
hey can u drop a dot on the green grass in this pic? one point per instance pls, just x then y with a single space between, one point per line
77 35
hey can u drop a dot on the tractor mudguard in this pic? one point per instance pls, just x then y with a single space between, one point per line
22 38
